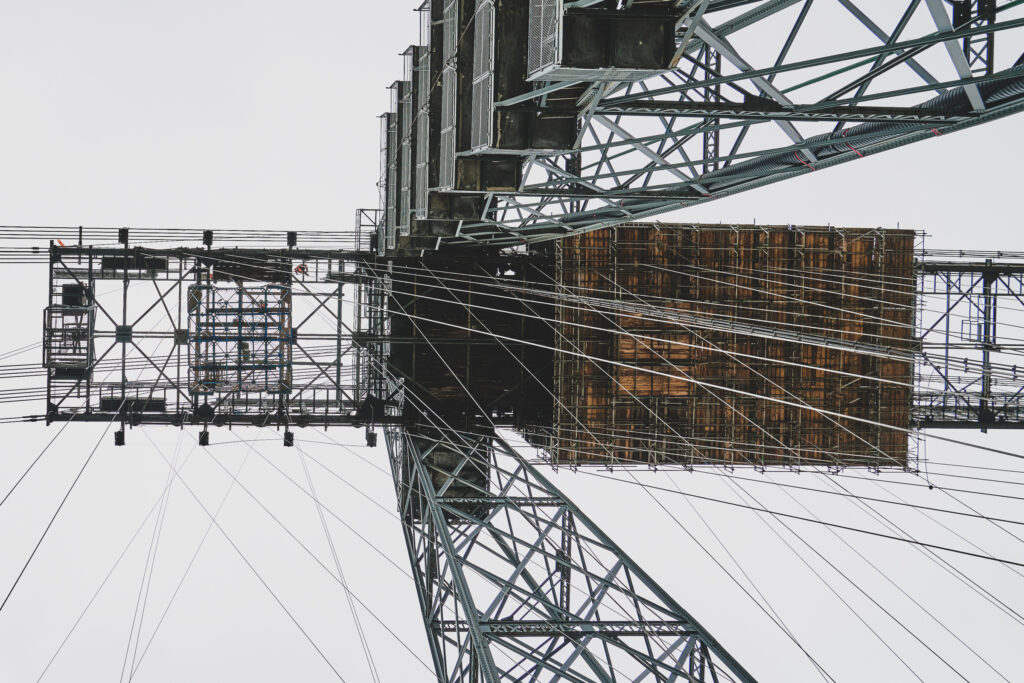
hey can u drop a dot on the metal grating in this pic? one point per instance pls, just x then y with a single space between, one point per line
406 160
68 335
392 180
239 340
483 76
423 89
543 46
449 94
382 184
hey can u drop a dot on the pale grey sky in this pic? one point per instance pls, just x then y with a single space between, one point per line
261 114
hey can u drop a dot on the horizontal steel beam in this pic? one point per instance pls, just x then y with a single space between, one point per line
811 113
560 628
179 419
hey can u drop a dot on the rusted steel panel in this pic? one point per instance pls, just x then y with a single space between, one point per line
687 329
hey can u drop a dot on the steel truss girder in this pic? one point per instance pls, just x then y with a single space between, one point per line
726 110
724 121
967 375
102 363
515 583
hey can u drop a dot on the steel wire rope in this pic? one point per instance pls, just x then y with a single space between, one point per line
448 428
994 521
888 579
940 561
677 270
568 302
63 500
736 411
930 485
843 527
986 518
331 512
964 443
970 515
762 398
17 419
673 342
1003 371
60 506
616 606
147 574
750 581
336 579
337 565
769 614
875 513
110 572
734 391
850 607
244 559
938 463
45 448
33 463
871 598
825 583
20 350
235 481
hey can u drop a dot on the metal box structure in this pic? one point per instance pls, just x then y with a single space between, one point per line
68 347
207 336
467 348
735 345
499 73
239 340
601 42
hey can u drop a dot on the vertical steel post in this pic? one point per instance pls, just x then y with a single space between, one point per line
988 322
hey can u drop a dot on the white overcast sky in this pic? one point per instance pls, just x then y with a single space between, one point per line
261 114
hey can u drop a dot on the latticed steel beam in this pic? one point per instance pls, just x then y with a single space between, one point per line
215 337
516 583
748 110
723 116
967 373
